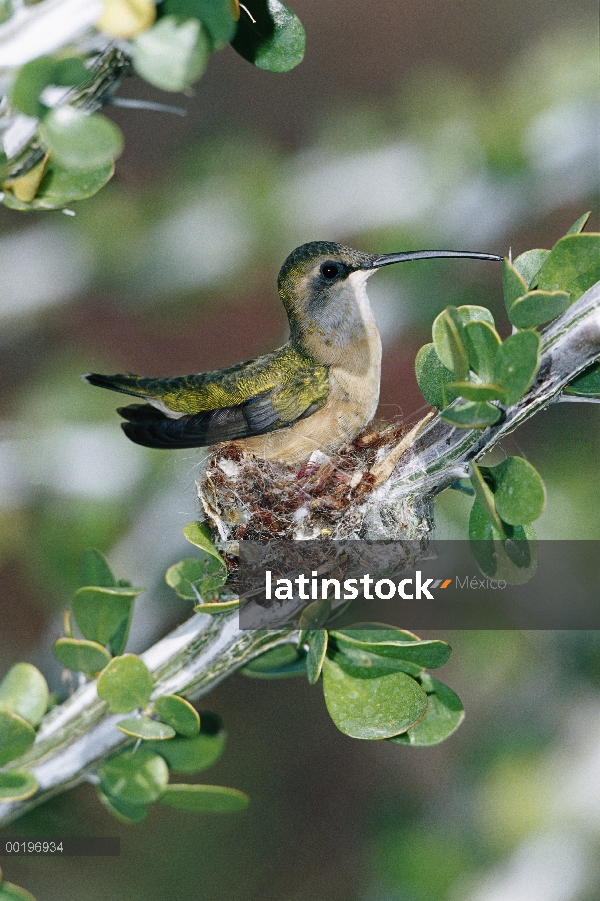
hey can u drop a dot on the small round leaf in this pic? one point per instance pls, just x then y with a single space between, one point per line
61 186
10 892
317 648
537 307
81 655
16 736
146 728
126 684
16 785
472 415
587 384
102 612
519 492
204 798
433 378
179 714
171 56
528 264
126 813
482 342
371 704
94 570
269 35
517 363
443 716
191 755
449 341
24 691
79 140
134 776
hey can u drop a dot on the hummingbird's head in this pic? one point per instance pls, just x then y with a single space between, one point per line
321 285
323 288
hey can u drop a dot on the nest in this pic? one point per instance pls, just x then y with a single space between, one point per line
339 495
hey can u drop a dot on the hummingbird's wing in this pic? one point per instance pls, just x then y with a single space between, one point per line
241 401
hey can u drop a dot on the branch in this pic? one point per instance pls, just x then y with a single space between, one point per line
77 736
441 453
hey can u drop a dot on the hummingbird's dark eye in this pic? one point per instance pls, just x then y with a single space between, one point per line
330 270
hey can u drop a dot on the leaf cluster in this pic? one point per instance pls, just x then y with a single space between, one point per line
469 373
374 681
169 45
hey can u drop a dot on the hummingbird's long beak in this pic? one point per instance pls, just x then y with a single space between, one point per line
387 258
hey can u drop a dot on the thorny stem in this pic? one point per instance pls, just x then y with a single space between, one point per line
79 734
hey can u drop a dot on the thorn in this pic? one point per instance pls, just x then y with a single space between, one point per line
132 103
248 13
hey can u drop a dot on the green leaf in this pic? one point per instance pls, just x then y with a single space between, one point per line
573 265
10 892
478 391
170 55
16 736
528 264
198 534
513 559
469 312
360 657
482 342
24 691
443 716
145 727
70 71
513 283
485 498
217 16
579 224
204 798
191 755
315 614
472 415
519 492
94 571
196 576
81 655
433 378
179 714
60 187
587 383
276 663
101 612
371 704
537 307
16 785
317 648
80 140
270 36
449 341
429 653
31 80
126 684
135 776
517 363
126 813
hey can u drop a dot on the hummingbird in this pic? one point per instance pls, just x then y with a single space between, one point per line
316 392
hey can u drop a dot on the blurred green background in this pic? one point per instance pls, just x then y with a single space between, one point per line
467 125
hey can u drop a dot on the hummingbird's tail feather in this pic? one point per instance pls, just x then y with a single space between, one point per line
150 427
125 384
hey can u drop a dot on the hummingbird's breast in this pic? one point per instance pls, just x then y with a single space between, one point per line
348 342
